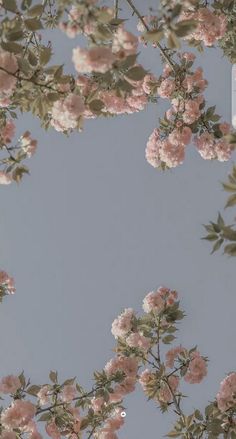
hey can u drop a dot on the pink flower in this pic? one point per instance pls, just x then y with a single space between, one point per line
166 88
97 404
8 62
115 422
124 41
96 59
188 56
43 395
18 415
129 365
52 430
7 283
137 340
226 397
66 112
149 82
10 384
8 131
68 393
122 324
173 354
166 391
8 435
155 301
5 178
152 151
197 369
145 378
224 128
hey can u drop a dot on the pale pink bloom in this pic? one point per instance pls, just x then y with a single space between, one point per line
43 395
8 131
226 397
52 430
115 104
223 150
206 146
70 29
129 365
104 434
68 393
178 104
145 378
137 340
172 155
4 101
173 354
210 26
66 112
96 59
152 151
115 422
188 56
10 384
180 137
123 323
8 435
84 83
197 369
5 178
8 62
166 71
35 435
18 415
126 386
7 283
137 102
149 81
192 112
153 302
166 391
124 41
97 404
166 88
75 411
224 128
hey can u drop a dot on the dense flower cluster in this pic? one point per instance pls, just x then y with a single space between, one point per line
7 284
66 112
210 26
166 145
226 398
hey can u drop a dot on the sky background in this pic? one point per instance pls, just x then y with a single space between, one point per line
95 227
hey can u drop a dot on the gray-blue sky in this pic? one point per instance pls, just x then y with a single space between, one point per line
94 228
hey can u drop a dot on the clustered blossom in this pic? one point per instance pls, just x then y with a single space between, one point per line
210 26
8 62
166 387
166 145
211 148
10 384
226 397
157 301
18 415
127 365
96 59
124 42
110 427
122 324
196 365
66 112
137 340
7 284
8 131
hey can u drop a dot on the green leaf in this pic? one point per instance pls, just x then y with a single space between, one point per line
168 339
184 27
12 47
231 201
154 36
15 35
33 24
217 245
173 434
33 390
220 221
9 5
136 73
45 55
211 237
230 249
35 11
45 417
229 187
53 376
96 105
172 41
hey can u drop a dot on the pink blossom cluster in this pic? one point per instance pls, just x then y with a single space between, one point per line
54 432
65 112
8 131
112 424
96 59
8 63
10 384
166 389
196 364
7 284
127 365
18 415
210 25
157 301
211 148
226 397
123 323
